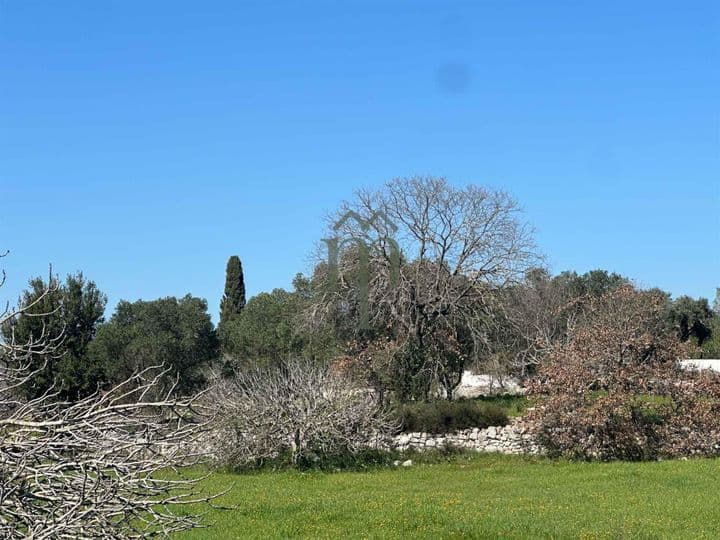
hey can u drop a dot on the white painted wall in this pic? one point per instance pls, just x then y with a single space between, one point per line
705 363
472 385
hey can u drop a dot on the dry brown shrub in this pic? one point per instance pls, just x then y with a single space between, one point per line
615 390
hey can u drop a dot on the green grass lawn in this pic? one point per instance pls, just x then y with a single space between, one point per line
481 497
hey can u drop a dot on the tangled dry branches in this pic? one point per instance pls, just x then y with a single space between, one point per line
95 468
304 410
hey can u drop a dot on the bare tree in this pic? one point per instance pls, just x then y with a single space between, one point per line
532 317
424 260
301 409
540 313
91 469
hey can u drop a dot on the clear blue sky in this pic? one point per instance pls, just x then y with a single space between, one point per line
145 142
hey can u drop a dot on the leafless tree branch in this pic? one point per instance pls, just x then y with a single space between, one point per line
98 467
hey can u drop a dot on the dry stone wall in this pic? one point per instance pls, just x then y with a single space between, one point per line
515 438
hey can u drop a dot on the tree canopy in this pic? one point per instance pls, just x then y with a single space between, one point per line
692 319
177 334
264 334
417 261
52 310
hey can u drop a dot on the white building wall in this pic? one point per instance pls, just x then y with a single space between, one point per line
705 363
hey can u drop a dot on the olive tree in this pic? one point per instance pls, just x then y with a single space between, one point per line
175 332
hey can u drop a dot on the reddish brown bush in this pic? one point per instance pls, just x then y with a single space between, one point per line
615 391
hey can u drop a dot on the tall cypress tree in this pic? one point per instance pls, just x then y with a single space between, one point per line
233 301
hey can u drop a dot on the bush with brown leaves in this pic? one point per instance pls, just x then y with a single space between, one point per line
615 390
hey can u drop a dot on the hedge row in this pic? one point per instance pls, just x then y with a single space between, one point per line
447 416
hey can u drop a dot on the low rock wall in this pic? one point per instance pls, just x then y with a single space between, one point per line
515 438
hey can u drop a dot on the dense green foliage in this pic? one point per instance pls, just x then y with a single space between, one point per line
692 319
487 496
593 283
272 328
265 332
408 377
233 301
445 416
514 405
71 311
177 334
711 346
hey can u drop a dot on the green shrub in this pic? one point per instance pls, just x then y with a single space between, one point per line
446 416
513 405
651 409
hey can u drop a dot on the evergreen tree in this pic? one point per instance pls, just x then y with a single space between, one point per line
69 313
691 318
266 332
233 300
175 333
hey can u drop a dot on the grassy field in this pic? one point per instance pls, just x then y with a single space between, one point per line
481 497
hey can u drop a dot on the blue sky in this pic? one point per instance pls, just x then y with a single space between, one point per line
145 142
